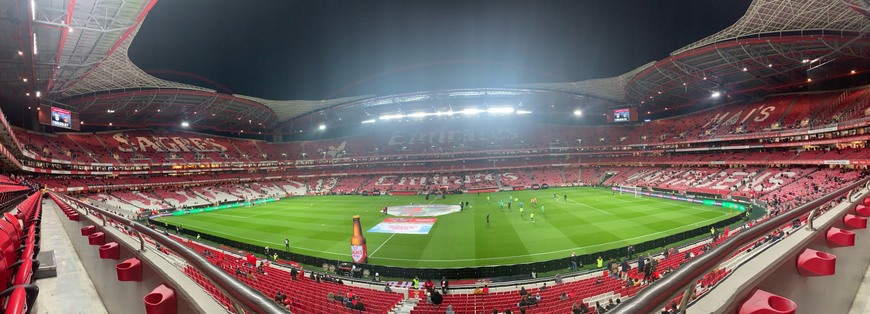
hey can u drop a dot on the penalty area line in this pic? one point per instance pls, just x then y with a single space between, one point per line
593 207
382 245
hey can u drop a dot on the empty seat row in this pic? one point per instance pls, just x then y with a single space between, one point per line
19 245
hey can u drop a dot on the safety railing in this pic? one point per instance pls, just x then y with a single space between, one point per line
655 297
239 292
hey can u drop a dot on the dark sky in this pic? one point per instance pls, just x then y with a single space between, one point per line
317 49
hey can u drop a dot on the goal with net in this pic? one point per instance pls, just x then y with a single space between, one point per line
630 189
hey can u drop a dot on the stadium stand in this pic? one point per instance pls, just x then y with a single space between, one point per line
785 137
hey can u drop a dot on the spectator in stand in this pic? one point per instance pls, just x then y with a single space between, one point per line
429 286
523 291
436 297
640 263
599 308
449 310
525 300
293 273
444 285
573 261
251 259
625 268
485 289
359 306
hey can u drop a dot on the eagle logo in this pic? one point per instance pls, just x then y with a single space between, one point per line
335 150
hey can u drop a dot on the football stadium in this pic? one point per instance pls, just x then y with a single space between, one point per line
410 157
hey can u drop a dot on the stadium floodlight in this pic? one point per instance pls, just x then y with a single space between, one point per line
716 94
185 124
418 115
110 111
502 110
471 111
321 127
38 94
369 121
578 112
391 116
523 112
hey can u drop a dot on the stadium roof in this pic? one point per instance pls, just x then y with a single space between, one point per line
79 61
773 46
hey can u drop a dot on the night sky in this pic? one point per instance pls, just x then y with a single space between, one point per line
321 49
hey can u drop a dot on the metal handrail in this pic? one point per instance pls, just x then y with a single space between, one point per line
232 287
655 297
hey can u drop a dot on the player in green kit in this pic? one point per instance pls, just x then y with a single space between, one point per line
532 217
521 211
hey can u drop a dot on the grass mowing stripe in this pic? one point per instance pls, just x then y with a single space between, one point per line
591 220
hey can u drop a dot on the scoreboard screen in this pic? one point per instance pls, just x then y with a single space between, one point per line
58 117
623 115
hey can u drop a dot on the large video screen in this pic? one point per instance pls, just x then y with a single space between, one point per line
60 118
621 115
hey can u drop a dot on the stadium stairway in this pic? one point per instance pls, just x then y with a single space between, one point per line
406 306
72 281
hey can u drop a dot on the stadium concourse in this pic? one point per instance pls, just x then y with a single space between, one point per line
728 177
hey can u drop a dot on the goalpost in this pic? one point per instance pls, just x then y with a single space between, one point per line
635 190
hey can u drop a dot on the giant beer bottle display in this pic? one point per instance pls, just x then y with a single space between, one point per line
358 243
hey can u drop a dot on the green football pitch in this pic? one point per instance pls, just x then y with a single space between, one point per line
591 220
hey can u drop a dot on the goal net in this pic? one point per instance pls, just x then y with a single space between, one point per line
629 189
